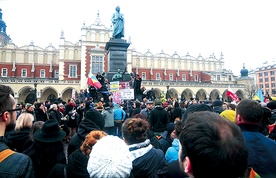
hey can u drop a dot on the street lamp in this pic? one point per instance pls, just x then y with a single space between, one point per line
35 97
167 93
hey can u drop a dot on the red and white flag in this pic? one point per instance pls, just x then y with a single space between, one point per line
93 81
232 95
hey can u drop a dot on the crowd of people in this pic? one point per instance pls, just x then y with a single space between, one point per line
148 138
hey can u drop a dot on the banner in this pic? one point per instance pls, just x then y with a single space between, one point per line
116 97
127 94
114 86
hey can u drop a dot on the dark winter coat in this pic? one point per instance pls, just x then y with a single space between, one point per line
261 151
95 121
149 164
158 119
165 141
40 115
76 167
19 139
16 165
45 156
55 114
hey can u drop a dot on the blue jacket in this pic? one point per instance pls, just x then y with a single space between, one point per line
261 151
119 114
172 152
16 165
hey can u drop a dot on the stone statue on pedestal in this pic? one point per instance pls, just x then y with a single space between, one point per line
118 24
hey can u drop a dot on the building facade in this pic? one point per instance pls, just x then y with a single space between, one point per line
265 79
50 73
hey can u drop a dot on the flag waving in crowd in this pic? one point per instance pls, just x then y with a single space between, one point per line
232 95
93 81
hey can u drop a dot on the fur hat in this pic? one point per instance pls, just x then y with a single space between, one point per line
110 157
50 132
90 140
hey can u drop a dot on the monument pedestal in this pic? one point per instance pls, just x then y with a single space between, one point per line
117 59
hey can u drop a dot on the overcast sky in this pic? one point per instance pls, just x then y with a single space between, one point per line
243 30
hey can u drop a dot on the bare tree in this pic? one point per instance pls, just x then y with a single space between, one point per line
250 89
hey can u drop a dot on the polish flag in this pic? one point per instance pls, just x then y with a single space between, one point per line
93 81
232 95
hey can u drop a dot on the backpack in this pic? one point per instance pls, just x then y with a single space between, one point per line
5 153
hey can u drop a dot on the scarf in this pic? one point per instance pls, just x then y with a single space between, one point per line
137 150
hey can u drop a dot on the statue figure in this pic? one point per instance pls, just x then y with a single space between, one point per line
118 76
118 24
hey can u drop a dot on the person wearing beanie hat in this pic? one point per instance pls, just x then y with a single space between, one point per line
146 160
158 118
195 108
166 138
93 120
29 108
109 158
229 114
217 106
77 161
172 152
271 105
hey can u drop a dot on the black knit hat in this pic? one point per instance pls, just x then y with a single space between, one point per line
96 117
271 105
50 132
195 108
217 103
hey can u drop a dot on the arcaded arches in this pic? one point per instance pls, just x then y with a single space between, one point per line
214 95
173 93
187 94
157 92
49 93
68 93
201 94
240 93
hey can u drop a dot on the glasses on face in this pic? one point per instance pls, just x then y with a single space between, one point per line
11 110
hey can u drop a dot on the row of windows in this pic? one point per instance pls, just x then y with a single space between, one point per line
157 77
4 73
267 85
266 73
266 79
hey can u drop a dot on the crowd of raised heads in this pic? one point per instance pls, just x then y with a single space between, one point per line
150 138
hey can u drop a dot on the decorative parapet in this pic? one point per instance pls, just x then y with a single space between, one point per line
5 80
189 84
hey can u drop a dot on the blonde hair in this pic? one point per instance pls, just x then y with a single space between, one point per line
23 121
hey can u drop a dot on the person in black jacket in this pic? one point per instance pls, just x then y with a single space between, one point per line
146 160
158 118
93 120
77 161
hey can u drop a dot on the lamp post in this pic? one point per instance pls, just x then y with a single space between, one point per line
35 92
167 93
